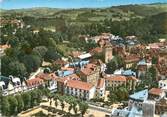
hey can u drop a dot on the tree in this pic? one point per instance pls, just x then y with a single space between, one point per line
56 102
5 106
26 99
17 69
61 99
90 45
34 97
99 56
113 97
32 62
5 61
56 98
40 51
12 52
13 104
20 103
74 106
111 67
153 72
122 93
70 108
119 61
148 79
83 107
26 47
39 95
70 100
51 55
154 60
45 91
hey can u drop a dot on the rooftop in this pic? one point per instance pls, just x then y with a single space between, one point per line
141 95
84 56
96 50
116 78
34 82
129 73
88 69
79 85
73 77
142 62
163 81
155 91
46 76
132 58
100 83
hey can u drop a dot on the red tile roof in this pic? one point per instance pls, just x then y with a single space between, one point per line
132 78
89 68
100 83
69 77
116 78
73 76
96 50
34 82
86 71
155 91
79 85
46 76
132 58
61 80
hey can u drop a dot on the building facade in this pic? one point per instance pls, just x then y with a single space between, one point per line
90 73
79 89
108 53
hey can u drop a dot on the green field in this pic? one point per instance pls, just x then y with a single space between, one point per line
85 15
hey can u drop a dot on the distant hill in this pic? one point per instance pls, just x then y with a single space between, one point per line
142 10
85 15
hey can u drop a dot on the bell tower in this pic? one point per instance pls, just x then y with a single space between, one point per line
108 52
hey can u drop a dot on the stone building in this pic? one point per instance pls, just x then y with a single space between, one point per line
108 52
90 73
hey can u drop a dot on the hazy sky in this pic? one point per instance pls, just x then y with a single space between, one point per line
16 4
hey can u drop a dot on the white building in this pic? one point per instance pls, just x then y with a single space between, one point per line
138 98
11 85
84 56
79 89
162 84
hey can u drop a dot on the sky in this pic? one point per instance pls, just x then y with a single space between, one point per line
17 4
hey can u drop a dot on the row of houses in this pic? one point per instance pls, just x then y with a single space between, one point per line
85 85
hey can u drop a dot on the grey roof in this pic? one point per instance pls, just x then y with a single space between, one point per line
141 95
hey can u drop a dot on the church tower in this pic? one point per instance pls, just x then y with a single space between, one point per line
108 52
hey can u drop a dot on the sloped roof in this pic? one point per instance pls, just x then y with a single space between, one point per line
79 85
140 95
155 91
100 83
116 78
